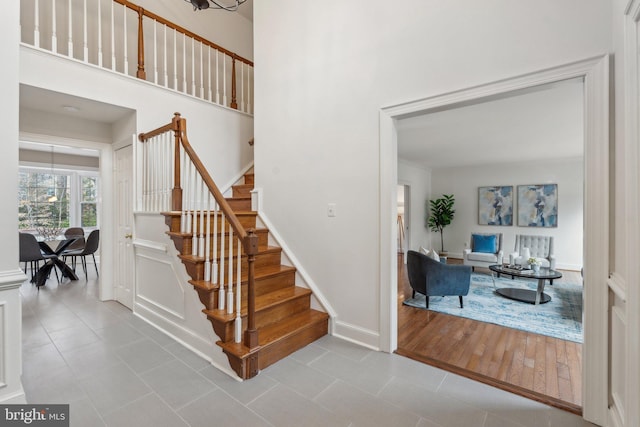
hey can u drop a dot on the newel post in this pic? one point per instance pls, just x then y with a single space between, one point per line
141 74
177 124
234 101
251 248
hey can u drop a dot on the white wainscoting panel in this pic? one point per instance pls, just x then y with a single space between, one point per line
158 285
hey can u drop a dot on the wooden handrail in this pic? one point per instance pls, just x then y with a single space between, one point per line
182 30
248 238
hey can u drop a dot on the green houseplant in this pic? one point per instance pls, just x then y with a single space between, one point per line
441 215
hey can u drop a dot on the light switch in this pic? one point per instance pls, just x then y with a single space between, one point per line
331 210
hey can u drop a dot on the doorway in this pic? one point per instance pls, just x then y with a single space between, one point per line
403 219
596 85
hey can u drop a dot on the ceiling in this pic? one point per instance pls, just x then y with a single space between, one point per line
540 123
61 104
68 105
246 10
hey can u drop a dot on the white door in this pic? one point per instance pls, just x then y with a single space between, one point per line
623 290
124 211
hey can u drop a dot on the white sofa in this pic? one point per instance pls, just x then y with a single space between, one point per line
538 247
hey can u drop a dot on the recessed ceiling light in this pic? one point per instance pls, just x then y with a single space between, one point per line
70 108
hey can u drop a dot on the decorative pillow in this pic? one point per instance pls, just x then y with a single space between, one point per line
423 250
485 243
433 255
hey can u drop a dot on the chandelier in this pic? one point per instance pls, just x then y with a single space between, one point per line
228 5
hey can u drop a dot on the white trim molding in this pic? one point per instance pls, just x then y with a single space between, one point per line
595 74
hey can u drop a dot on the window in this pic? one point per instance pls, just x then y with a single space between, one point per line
59 200
88 200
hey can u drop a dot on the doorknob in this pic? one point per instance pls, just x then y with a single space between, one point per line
128 236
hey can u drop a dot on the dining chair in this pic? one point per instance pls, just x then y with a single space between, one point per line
30 252
77 232
90 248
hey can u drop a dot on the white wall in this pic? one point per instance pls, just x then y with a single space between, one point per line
419 181
10 274
463 183
317 110
229 30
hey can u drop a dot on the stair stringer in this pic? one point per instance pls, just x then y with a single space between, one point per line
194 331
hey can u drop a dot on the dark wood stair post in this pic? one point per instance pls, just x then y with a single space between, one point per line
251 334
177 124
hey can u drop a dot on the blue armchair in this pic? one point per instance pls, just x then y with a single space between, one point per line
430 277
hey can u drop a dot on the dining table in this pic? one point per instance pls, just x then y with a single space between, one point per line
53 250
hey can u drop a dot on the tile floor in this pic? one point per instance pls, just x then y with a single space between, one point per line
116 370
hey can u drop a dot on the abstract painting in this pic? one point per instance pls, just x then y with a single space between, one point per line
495 205
538 205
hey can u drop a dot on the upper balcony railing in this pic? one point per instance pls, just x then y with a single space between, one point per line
125 38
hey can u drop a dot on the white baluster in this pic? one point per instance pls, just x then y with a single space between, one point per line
126 50
193 67
214 273
36 26
209 74
113 37
85 43
230 281
54 27
70 39
207 247
154 174
221 290
217 79
188 189
166 168
224 79
148 174
184 63
183 216
171 169
155 52
164 59
99 33
249 89
201 247
175 59
242 104
145 175
194 195
238 322
201 70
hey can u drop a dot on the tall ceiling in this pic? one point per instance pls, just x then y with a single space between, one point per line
546 122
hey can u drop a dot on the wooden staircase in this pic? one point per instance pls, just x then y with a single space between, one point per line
284 319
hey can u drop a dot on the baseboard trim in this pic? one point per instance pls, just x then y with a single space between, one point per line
357 335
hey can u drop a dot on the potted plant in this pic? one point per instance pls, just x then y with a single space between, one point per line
441 215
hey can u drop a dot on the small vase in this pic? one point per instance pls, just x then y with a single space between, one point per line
535 268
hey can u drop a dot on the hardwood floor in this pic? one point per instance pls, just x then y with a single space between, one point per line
535 366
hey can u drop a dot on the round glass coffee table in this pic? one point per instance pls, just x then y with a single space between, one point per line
526 295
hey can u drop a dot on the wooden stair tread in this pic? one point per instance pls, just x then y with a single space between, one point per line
196 259
187 235
263 302
276 332
259 272
179 213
